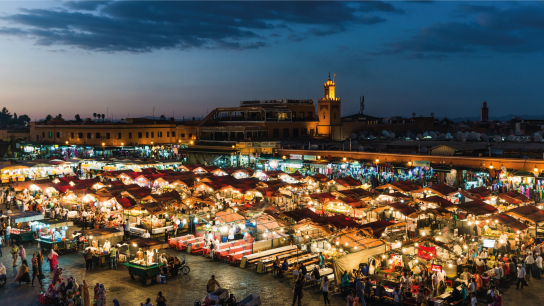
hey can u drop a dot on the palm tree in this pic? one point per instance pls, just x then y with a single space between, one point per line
49 117
103 116
94 115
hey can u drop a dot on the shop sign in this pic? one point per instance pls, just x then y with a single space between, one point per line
436 268
295 156
309 157
422 163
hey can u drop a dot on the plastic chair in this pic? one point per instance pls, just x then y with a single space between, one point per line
414 289
449 283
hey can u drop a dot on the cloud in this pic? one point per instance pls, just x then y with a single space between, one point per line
145 26
513 30
464 9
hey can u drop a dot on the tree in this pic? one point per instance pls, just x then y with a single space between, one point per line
103 116
5 111
78 118
59 116
163 117
49 117
94 115
14 116
24 118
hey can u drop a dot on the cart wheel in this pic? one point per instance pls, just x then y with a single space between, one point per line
3 280
144 277
132 277
185 270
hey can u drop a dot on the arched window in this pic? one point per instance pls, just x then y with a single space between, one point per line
323 115
334 115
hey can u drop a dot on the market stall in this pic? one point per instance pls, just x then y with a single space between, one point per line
22 225
53 234
145 264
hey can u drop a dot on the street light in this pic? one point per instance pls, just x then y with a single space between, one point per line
66 142
103 144
377 160
191 142
122 144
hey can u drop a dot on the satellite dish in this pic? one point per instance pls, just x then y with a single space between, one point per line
413 114
498 138
353 136
391 135
360 148
538 138
484 137
423 149
432 114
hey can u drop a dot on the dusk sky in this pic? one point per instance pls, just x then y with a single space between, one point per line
190 57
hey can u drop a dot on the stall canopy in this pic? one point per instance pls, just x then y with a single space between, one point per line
147 244
260 206
477 208
229 217
480 192
27 216
514 197
301 214
56 223
322 196
102 233
398 195
438 201
378 227
440 189
405 186
339 221
352 260
402 208
528 213
509 221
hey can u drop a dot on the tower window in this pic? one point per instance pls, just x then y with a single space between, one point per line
323 115
334 115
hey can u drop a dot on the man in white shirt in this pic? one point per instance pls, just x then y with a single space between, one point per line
491 292
521 276
404 281
529 261
435 282
538 263
146 235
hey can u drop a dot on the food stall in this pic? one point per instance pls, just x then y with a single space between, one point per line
145 264
21 230
53 235
99 241
150 217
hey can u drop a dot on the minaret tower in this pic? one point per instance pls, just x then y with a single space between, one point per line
329 111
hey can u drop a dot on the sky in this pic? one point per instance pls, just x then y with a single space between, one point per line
182 59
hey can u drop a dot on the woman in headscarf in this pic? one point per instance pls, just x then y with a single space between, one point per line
57 276
35 270
96 288
23 275
85 293
22 253
101 301
52 259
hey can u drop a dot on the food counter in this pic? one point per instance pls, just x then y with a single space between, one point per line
145 273
21 235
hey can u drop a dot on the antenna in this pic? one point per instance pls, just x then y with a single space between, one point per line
362 104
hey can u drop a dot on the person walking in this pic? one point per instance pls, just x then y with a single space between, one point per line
101 300
22 253
397 296
529 261
325 291
297 289
14 251
210 286
161 300
521 276
89 260
35 270
113 258
147 302
85 292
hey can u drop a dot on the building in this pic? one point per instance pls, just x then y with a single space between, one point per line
260 120
135 131
484 113
328 110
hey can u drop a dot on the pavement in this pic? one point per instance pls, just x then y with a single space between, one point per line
185 290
